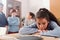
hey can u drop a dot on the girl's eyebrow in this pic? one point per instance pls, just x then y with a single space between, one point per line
39 23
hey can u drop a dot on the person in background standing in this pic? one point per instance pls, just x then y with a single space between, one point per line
3 19
13 22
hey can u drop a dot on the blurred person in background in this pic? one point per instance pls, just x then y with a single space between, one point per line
3 19
30 19
13 22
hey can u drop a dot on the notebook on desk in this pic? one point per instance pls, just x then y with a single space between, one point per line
30 38
3 30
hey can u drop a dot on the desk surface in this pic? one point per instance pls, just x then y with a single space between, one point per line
17 35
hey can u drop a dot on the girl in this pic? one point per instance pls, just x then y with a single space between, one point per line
30 19
46 24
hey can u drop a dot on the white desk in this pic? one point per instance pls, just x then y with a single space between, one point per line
16 35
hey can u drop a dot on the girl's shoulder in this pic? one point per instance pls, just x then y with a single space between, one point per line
53 24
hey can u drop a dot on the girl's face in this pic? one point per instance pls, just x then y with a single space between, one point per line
42 23
29 16
14 14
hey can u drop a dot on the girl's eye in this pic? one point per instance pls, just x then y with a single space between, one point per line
38 23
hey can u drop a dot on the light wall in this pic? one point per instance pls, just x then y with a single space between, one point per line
24 7
4 3
33 6
30 6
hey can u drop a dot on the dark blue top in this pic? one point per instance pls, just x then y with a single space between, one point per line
3 20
